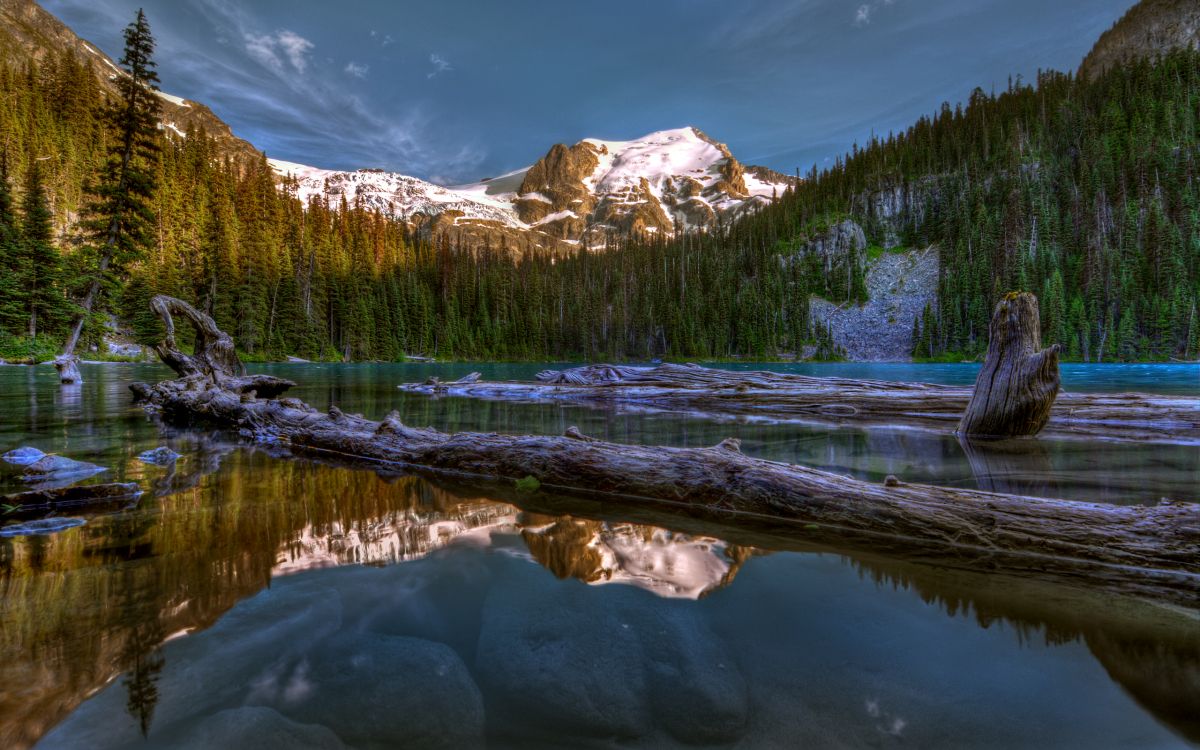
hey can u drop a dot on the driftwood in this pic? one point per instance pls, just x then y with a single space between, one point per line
40 502
1152 551
1019 380
214 358
780 397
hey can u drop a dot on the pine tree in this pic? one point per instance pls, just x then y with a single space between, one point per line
120 216
12 313
41 267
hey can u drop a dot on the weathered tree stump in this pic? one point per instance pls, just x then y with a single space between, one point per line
214 358
214 353
1019 380
68 369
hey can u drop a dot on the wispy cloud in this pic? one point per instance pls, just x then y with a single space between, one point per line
358 70
273 50
440 65
862 16
383 39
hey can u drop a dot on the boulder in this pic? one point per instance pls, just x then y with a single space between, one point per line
696 688
561 658
256 727
22 456
53 468
612 662
160 456
216 669
383 691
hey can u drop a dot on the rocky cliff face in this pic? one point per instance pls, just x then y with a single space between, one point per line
29 32
1148 29
899 285
575 196
672 180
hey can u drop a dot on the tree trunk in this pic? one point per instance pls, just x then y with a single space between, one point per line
1019 380
68 369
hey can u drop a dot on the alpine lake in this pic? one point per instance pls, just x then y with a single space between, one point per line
252 599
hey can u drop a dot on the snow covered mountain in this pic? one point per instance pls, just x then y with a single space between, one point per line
672 180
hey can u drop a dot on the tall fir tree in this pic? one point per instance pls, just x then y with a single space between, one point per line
121 215
12 313
41 265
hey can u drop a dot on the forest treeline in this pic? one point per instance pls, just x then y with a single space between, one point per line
1083 192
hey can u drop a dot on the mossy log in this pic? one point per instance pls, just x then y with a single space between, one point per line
781 397
1152 551
1019 380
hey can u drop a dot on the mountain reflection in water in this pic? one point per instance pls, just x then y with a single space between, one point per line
149 593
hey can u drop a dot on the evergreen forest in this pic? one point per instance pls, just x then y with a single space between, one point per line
1083 192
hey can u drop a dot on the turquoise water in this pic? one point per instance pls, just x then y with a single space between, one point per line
254 601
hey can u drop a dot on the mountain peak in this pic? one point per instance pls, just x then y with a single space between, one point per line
662 182
1148 29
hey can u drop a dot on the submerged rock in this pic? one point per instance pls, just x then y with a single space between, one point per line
53 468
605 663
22 456
41 527
256 727
380 691
696 688
160 456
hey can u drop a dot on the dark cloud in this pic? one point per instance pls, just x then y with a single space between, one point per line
458 90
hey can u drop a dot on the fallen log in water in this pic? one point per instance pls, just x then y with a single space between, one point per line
89 496
1153 551
784 397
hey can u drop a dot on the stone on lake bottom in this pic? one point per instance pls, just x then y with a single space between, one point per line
22 456
256 727
160 456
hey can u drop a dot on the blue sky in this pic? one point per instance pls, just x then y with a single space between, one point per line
453 91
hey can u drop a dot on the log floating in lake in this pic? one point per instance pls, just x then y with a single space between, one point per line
1019 380
781 397
1147 550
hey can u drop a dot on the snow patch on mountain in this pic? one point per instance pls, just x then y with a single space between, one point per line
397 195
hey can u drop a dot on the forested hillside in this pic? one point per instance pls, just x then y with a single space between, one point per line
1083 192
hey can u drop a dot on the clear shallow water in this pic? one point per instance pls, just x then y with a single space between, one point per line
291 602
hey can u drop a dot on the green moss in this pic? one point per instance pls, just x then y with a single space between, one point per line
528 484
